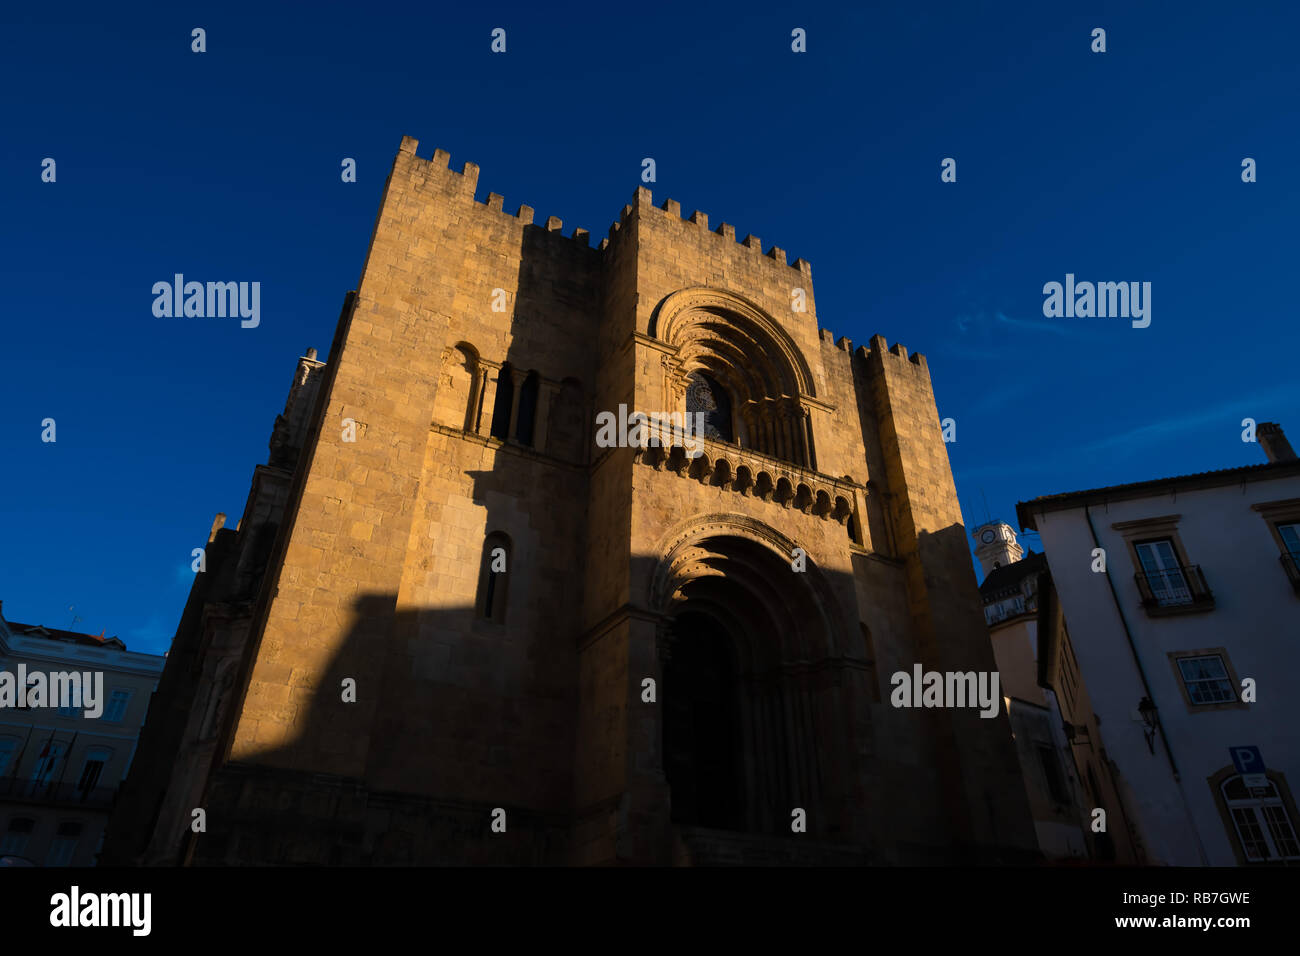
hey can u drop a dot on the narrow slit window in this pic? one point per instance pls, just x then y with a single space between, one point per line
494 578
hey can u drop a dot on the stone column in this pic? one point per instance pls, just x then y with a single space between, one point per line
802 441
487 399
517 376
547 392
859 515
788 435
474 408
810 448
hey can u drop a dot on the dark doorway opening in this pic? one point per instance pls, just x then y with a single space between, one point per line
701 733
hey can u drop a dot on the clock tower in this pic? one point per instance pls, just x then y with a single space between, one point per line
996 546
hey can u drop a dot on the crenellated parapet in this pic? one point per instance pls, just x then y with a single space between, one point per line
881 352
672 209
878 352
439 164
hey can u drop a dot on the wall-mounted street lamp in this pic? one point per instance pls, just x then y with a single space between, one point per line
1147 708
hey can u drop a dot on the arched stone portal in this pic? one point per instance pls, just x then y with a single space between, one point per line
750 695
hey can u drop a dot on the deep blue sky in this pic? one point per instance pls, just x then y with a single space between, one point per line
225 165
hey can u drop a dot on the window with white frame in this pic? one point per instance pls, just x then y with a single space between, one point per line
92 770
64 844
1283 521
46 761
1206 679
1290 535
1263 827
1164 575
116 708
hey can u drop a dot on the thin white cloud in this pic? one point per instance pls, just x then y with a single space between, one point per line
1046 325
1223 418
983 335
1225 415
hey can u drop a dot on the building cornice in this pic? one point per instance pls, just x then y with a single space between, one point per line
1027 512
44 650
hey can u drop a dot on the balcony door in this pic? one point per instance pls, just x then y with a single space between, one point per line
1264 830
43 774
1163 573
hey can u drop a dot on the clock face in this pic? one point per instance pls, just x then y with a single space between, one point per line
987 537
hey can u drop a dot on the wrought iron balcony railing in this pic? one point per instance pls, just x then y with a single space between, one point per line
1174 589
995 614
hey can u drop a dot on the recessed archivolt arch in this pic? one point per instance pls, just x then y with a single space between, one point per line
729 576
800 605
694 315
742 362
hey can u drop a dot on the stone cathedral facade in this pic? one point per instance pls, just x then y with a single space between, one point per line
452 628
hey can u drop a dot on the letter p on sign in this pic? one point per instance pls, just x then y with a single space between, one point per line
1247 759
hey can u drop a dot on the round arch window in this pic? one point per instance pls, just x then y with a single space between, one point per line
705 396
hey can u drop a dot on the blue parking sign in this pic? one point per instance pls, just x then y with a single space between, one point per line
1247 759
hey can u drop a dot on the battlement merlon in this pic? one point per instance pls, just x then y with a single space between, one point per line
881 351
643 200
440 162
467 181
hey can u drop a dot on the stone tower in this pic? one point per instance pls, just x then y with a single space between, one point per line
618 654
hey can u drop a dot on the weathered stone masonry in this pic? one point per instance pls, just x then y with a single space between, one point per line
473 425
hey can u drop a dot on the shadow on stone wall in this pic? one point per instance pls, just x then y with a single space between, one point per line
457 716
454 717
466 738
261 811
